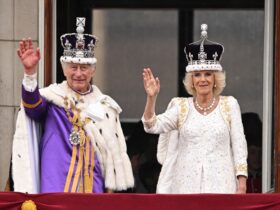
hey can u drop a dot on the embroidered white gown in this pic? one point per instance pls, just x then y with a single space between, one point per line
209 153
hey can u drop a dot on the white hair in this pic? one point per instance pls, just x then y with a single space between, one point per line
64 64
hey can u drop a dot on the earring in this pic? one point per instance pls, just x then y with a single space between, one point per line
215 85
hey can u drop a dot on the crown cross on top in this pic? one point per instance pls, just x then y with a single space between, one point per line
80 21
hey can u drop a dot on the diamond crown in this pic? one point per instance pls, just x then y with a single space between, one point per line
78 45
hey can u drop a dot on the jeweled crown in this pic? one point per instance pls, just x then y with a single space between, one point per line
204 54
78 47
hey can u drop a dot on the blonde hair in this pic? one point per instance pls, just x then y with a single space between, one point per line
220 83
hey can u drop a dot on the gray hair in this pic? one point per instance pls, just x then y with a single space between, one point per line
64 64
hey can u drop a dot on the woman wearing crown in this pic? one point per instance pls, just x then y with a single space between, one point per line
202 145
82 146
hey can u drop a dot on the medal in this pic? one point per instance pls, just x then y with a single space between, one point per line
77 135
74 137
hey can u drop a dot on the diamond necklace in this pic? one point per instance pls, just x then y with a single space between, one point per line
205 109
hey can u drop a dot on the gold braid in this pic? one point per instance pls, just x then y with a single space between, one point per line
78 137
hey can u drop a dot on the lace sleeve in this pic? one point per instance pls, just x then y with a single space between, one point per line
165 122
238 141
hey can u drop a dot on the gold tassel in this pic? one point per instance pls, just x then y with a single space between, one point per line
28 205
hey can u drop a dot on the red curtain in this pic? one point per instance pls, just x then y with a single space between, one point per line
77 201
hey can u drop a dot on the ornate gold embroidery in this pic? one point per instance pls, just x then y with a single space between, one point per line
225 108
241 168
32 106
182 112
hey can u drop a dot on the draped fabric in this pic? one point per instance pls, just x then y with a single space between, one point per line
74 201
63 167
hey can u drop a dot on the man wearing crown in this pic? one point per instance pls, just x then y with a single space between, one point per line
81 146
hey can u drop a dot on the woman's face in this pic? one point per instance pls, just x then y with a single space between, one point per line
78 76
203 82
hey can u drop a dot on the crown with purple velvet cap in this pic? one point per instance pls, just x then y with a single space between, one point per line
78 47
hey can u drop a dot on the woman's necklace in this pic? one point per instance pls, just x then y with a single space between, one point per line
205 109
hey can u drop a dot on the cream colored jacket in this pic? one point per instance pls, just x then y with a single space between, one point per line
172 126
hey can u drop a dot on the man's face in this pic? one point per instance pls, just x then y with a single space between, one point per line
78 76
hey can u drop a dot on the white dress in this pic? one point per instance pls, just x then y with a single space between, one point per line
210 154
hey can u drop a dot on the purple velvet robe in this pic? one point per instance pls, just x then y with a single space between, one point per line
55 148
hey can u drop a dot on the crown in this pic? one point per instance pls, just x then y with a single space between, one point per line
78 47
204 54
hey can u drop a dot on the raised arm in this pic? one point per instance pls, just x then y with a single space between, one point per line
152 88
35 106
29 56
